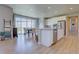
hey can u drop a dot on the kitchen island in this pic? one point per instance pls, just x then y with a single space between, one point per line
46 37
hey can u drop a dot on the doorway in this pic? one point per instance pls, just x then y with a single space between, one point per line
72 24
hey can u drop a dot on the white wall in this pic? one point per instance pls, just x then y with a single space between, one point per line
60 32
6 13
41 22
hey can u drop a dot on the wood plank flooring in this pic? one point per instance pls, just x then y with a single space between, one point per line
67 45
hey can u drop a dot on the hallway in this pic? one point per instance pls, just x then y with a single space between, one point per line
68 44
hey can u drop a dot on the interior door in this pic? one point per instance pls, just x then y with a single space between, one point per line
73 24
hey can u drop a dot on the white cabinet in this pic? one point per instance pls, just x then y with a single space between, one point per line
61 29
46 36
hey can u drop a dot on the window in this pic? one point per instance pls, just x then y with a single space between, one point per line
34 23
24 22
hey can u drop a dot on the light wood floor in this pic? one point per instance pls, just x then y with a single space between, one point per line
69 44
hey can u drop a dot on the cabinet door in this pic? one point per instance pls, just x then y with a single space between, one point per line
46 37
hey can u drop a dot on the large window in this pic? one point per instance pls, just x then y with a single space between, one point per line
24 22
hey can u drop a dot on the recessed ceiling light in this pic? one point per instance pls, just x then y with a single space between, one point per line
70 8
49 7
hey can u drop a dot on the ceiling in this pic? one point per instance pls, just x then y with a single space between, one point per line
44 10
